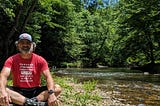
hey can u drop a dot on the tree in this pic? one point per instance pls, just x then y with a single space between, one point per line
14 23
59 13
139 29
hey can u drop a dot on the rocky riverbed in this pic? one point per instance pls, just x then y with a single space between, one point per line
130 94
112 93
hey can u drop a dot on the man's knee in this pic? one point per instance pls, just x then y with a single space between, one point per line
58 89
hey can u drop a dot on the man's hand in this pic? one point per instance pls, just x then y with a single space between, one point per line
52 100
4 98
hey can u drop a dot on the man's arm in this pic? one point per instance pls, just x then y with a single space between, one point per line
4 97
3 78
51 86
49 80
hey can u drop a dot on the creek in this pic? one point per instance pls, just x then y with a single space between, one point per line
127 86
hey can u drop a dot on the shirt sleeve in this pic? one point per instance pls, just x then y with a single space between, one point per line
8 62
44 64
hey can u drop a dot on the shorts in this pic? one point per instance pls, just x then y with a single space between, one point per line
28 92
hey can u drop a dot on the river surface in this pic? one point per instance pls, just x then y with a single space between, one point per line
128 86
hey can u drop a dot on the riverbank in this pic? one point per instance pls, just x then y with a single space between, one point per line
113 93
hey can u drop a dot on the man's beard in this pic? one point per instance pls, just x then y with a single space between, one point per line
25 50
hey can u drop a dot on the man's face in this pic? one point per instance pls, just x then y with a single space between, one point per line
24 46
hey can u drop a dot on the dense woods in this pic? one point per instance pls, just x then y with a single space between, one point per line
79 33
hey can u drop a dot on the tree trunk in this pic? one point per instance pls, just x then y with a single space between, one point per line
28 14
151 54
4 50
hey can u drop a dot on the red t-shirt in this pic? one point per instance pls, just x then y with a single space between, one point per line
26 72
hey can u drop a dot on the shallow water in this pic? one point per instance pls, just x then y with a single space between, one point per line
110 74
128 87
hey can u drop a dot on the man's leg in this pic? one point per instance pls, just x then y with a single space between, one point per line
43 96
16 97
19 99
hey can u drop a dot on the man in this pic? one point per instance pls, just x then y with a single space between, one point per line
26 68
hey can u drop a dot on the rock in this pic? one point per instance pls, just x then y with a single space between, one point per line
141 105
146 73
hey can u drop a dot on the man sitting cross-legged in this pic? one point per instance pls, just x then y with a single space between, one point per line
26 68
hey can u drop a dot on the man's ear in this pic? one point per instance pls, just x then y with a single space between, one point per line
33 46
16 43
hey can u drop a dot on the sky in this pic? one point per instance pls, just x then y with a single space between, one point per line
105 2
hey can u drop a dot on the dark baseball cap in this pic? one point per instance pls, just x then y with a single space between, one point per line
25 36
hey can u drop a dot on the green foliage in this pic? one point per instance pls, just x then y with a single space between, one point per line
77 64
136 27
62 82
73 93
89 86
20 1
69 34
43 81
83 99
8 8
10 82
86 41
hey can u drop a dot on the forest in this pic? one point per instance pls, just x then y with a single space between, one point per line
85 33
